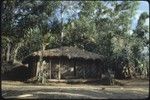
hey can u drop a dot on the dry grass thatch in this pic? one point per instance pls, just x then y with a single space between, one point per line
8 66
70 52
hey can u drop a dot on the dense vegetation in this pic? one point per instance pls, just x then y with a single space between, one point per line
96 26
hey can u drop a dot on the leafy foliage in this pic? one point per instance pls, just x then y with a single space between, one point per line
97 26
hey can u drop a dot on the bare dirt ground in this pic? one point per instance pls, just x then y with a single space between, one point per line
133 89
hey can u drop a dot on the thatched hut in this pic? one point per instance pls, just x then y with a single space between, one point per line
14 71
66 63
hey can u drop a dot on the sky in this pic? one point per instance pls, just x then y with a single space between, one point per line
143 7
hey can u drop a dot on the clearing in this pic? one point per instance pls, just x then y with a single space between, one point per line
133 89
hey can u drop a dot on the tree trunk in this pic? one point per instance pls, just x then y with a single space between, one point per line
41 58
41 71
16 52
8 52
135 63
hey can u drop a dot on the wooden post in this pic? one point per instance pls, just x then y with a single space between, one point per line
84 71
74 68
50 70
38 68
31 69
34 69
59 76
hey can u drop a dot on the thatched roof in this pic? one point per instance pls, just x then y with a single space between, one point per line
70 52
8 66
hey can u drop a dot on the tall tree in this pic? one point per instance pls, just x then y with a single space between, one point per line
7 25
140 40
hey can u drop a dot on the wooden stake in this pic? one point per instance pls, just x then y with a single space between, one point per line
59 76
38 68
74 68
84 72
50 70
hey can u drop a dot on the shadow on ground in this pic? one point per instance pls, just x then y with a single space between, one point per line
58 93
